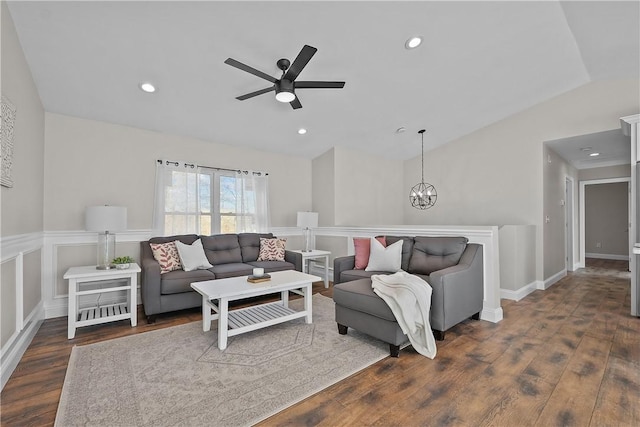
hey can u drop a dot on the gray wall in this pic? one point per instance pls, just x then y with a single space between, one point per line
323 188
555 172
94 163
606 219
495 175
352 188
21 207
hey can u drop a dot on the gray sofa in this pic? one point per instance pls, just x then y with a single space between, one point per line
230 255
451 265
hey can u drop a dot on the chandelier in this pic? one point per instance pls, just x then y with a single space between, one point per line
423 195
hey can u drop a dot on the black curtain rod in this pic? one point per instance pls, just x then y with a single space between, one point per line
192 166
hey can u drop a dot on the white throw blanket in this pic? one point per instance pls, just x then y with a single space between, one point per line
409 298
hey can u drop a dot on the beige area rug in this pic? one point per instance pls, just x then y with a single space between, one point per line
178 377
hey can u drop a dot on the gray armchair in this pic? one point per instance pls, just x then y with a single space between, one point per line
450 265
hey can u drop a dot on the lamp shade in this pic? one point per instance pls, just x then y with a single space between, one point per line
307 219
106 218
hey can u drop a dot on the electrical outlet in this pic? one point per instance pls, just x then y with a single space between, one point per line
598 245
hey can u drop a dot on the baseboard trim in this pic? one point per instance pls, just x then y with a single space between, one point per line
607 256
517 295
12 356
492 315
551 280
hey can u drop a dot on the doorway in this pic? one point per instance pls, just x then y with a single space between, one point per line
624 225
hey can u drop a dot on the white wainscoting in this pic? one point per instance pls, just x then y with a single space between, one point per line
14 248
56 305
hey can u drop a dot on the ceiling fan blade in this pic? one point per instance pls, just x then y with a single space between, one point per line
256 93
300 62
319 85
250 70
295 104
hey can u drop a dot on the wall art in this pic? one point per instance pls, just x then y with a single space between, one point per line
6 141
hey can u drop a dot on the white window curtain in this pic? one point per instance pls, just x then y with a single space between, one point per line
252 202
202 200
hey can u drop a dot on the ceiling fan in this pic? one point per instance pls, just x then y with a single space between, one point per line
285 86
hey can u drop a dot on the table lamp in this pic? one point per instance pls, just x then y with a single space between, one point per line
307 221
106 220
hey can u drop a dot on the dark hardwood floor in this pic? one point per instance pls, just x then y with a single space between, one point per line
567 356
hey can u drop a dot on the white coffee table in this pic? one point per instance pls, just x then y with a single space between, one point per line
235 322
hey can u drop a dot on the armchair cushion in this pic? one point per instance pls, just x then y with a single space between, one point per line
435 253
407 248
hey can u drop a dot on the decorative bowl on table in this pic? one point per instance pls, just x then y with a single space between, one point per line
122 266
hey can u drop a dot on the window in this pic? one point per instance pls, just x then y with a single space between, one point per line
207 201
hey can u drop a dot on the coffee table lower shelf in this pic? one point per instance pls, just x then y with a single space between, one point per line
259 314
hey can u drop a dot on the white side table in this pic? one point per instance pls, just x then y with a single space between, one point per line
315 254
79 276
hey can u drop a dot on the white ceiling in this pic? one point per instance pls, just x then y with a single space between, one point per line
613 147
480 62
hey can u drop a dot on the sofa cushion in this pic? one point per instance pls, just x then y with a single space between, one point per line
385 259
407 248
271 266
272 249
179 281
250 245
358 295
167 256
436 253
234 269
222 249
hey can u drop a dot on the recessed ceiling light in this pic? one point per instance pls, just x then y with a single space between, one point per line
594 154
401 129
413 42
302 131
147 87
586 149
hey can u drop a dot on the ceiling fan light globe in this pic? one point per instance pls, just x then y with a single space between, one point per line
285 96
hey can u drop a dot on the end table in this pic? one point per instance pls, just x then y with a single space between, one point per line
82 276
315 254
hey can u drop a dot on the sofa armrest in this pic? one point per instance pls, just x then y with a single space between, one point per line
294 258
341 264
149 280
459 289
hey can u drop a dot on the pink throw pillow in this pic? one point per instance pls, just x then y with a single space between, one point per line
362 246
